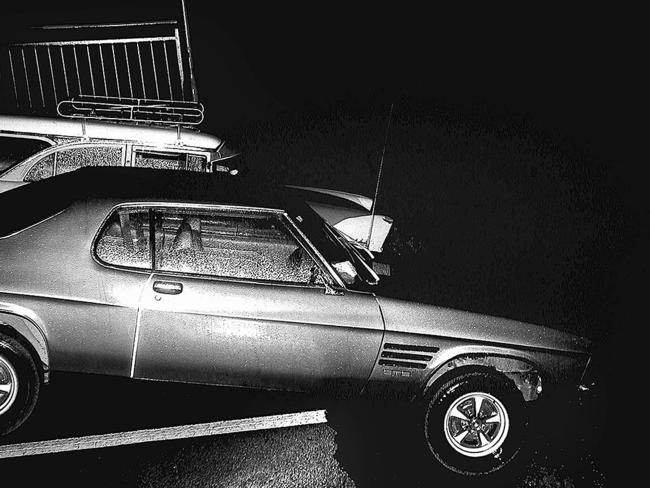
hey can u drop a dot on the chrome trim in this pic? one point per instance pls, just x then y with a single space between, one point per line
194 206
459 426
322 259
136 336
125 40
8 389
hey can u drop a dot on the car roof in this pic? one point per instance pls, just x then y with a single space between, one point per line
37 201
122 131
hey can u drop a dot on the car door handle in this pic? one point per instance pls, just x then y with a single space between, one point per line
167 287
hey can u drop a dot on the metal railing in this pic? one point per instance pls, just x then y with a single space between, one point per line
136 61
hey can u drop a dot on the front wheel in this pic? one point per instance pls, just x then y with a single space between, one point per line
19 384
475 423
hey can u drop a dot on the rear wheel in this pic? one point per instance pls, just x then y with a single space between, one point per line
475 423
19 384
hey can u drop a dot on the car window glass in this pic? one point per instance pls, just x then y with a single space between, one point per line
124 240
13 150
250 245
43 168
77 157
197 162
167 160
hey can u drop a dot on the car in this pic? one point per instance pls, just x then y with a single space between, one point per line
203 278
33 148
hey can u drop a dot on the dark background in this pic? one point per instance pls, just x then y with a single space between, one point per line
509 161
509 145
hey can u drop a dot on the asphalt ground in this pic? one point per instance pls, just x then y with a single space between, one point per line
566 445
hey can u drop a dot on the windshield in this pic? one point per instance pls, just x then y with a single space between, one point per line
351 262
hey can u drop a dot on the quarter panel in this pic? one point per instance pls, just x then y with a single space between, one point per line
88 312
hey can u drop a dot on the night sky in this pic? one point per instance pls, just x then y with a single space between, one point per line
554 75
561 70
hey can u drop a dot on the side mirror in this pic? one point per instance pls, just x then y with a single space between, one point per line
346 271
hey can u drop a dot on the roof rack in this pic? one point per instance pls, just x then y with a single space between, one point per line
166 112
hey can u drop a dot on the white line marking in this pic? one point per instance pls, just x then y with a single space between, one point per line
163 434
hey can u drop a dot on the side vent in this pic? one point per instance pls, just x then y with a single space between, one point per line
406 356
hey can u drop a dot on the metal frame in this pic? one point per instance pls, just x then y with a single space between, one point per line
141 64
132 110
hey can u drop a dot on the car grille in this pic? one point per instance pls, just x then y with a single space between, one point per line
406 356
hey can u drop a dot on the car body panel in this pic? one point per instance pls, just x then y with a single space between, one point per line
89 129
23 321
456 334
360 200
420 318
88 311
256 334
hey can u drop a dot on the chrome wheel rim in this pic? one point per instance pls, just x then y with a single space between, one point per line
8 385
476 425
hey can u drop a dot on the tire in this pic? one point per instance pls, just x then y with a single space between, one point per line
20 383
468 444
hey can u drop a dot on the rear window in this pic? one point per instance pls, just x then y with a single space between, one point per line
14 150
124 240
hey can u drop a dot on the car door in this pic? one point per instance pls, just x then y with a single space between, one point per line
230 302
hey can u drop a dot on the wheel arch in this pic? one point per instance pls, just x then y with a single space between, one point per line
525 376
29 335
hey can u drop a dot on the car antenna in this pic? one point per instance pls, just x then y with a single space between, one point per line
381 166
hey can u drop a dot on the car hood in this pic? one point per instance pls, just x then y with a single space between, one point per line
419 318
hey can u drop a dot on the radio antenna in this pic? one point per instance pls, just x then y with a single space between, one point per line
381 166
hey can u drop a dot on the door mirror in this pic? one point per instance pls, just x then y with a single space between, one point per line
346 271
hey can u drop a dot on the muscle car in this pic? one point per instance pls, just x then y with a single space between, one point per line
204 278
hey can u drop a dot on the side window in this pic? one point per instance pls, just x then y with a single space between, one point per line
14 150
74 158
196 162
124 240
43 168
169 160
248 245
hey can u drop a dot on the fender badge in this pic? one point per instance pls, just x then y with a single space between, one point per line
396 372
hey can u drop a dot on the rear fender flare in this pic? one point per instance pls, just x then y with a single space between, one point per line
20 322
